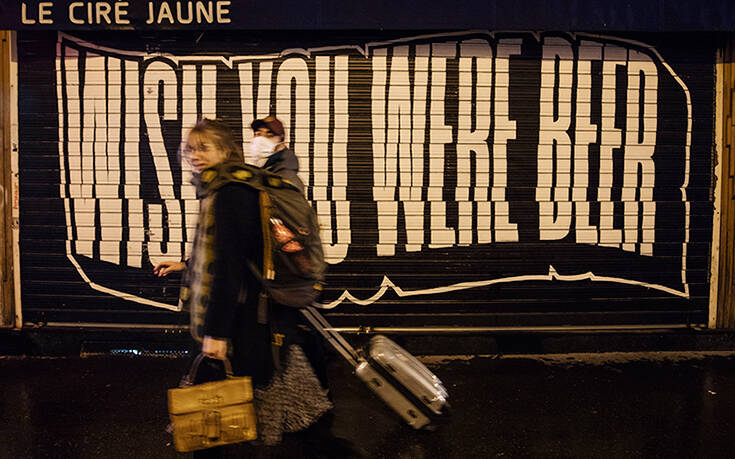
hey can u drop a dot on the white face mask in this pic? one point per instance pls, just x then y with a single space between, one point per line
261 148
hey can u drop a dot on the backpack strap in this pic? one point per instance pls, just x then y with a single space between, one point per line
265 217
260 179
268 271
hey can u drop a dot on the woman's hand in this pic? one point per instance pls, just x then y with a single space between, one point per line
167 267
214 348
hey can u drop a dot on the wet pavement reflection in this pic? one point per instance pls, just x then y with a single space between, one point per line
587 406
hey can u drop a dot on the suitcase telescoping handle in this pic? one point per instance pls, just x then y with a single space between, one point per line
331 335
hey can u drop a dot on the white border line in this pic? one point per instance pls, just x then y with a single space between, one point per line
552 275
387 283
117 293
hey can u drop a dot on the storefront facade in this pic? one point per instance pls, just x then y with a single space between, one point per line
465 179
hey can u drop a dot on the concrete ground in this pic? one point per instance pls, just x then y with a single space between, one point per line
655 404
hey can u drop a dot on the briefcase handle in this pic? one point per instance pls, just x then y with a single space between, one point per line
189 379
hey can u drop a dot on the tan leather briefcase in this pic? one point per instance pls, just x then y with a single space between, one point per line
212 414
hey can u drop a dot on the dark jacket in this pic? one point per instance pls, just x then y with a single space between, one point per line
286 164
238 238
232 312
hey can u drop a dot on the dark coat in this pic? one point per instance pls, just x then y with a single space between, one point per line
286 164
238 240
232 311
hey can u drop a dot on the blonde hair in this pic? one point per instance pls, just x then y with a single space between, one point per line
220 135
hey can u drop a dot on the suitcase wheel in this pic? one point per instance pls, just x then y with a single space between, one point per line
438 421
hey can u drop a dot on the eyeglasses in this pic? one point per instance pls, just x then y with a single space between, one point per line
188 150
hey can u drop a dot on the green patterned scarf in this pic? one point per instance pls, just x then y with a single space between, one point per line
197 283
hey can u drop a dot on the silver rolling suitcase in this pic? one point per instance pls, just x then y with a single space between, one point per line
397 377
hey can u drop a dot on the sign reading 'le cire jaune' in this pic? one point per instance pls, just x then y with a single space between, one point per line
118 13
454 141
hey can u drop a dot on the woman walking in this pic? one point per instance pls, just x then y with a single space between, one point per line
221 293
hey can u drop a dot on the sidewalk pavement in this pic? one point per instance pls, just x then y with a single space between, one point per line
611 405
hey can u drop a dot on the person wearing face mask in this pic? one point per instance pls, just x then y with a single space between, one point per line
269 151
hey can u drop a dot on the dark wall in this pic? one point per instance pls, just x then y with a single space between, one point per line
461 178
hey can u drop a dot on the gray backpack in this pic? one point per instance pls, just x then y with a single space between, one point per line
293 259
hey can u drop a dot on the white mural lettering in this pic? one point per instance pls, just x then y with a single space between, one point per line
476 58
161 75
585 134
555 146
640 142
505 130
431 128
